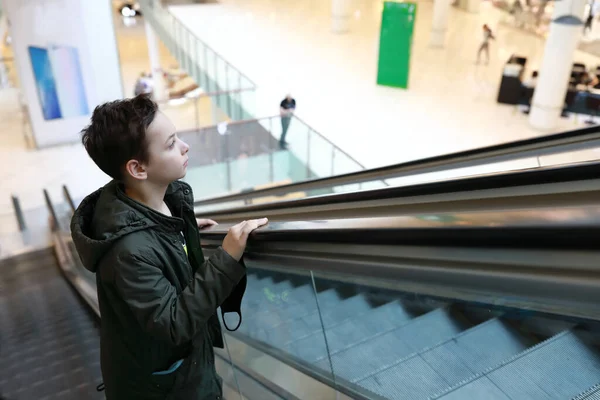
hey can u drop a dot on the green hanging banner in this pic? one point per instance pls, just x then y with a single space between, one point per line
395 42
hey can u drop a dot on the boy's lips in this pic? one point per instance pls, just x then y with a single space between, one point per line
185 163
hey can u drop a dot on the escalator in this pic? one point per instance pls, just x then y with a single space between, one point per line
49 340
394 345
487 299
483 287
488 303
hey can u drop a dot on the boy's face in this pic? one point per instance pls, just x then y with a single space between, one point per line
168 156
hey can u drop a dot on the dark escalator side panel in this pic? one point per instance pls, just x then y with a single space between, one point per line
49 341
383 344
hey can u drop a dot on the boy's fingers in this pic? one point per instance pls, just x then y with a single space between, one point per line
254 224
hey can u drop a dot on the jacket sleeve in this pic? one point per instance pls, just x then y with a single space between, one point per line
154 300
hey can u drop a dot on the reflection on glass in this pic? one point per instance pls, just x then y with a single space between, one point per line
280 311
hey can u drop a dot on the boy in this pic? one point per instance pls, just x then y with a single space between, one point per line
157 295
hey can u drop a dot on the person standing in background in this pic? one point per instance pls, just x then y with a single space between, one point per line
485 45
286 110
590 19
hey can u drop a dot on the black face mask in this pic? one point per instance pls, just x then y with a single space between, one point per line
233 303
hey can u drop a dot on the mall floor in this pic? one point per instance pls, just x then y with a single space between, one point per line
450 105
286 45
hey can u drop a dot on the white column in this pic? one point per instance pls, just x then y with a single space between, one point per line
67 63
555 71
160 89
441 10
341 15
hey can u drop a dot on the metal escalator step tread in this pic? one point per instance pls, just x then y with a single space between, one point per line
422 379
299 328
352 331
559 368
280 300
275 321
281 327
590 394
482 388
361 361
449 362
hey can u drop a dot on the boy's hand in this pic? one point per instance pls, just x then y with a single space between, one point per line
204 223
235 241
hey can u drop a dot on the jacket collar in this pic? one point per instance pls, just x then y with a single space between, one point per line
178 197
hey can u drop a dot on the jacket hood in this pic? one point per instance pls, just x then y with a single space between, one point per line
107 215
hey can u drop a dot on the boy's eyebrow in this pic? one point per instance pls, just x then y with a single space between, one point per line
170 137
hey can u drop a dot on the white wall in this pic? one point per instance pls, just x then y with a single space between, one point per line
83 24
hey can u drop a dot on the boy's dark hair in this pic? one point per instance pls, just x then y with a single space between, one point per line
117 133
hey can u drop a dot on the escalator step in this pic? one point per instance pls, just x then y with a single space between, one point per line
590 394
286 324
282 301
448 363
333 310
348 333
361 361
559 368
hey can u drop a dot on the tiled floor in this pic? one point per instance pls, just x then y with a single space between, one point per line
287 45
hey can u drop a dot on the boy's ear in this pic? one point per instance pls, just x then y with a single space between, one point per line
136 170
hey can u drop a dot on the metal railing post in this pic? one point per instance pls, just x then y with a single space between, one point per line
19 213
271 151
308 153
55 223
332 160
69 198
228 161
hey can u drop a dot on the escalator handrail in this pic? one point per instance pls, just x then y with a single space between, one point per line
565 228
538 176
579 139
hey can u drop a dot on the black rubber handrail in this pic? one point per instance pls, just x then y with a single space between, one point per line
538 176
577 228
565 141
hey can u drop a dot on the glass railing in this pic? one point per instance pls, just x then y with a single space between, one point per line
229 89
409 173
246 155
369 341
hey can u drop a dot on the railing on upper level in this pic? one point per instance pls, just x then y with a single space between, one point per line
234 91
571 147
244 155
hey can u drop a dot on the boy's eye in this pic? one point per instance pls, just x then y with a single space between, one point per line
172 144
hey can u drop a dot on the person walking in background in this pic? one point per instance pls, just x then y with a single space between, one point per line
590 19
286 110
485 45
